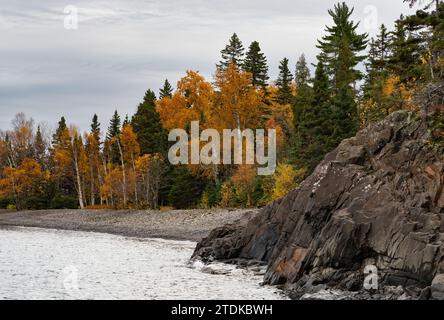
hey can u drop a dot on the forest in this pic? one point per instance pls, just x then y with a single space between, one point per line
357 80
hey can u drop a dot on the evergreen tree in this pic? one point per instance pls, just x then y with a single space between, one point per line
345 118
39 147
256 63
302 75
148 126
95 128
314 128
166 90
125 121
405 61
57 137
283 83
233 53
304 91
341 47
112 134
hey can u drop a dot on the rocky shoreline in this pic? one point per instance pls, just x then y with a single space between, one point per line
376 201
192 225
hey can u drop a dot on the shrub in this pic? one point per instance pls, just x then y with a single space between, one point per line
35 203
5 202
64 202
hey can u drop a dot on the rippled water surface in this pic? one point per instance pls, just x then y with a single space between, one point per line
51 264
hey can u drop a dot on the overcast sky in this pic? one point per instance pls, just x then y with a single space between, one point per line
124 47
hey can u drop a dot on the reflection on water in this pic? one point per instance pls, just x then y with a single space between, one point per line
51 264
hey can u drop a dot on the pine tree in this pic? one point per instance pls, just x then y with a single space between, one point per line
341 47
166 91
283 83
111 136
148 126
256 63
233 53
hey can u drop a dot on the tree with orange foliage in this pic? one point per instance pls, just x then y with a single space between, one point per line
22 182
131 151
191 102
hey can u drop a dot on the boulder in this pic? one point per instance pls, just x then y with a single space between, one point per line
377 199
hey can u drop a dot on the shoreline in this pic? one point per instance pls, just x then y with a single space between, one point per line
185 225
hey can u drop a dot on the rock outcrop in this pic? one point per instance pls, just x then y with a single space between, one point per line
378 199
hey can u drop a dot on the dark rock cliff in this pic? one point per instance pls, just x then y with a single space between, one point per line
378 199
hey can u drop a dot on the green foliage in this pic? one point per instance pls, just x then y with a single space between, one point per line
285 95
166 91
256 63
5 202
233 53
112 134
64 202
341 47
186 190
146 123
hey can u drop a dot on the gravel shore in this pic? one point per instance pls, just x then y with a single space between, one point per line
190 225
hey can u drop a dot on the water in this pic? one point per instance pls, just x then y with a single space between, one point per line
52 264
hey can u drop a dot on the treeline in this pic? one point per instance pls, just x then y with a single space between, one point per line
127 166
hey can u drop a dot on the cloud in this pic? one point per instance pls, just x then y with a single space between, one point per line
124 47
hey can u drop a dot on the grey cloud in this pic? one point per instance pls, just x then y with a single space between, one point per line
122 48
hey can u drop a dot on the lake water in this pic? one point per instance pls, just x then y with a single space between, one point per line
52 264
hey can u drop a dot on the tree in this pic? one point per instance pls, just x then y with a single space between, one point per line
146 123
303 98
286 179
57 137
302 75
80 162
405 61
22 183
39 147
283 82
191 102
166 90
131 151
313 123
341 47
256 63
113 132
233 53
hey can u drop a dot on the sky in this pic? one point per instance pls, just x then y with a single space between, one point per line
121 48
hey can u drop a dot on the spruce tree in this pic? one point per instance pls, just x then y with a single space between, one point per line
285 95
304 91
233 53
95 128
57 137
111 136
341 47
256 63
314 127
39 147
405 61
148 126
166 91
